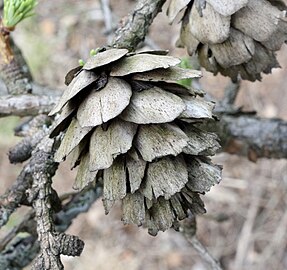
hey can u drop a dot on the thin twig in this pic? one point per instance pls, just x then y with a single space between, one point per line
52 243
108 19
136 25
25 105
188 229
231 92
278 240
245 235
204 253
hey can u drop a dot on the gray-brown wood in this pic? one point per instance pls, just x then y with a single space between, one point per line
133 209
237 49
115 181
155 141
227 7
171 74
74 134
83 80
142 62
135 169
128 35
104 58
106 145
200 142
202 175
26 105
211 27
259 19
164 178
101 106
251 136
196 108
153 106
84 175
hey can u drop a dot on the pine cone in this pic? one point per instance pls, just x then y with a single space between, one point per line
131 126
233 37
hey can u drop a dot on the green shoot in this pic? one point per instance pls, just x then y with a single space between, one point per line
16 11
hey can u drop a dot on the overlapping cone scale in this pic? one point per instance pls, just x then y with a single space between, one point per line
131 126
233 37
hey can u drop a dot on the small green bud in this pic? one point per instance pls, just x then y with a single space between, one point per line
93 52
81 62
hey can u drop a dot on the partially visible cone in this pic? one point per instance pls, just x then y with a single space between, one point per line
130 125
233 37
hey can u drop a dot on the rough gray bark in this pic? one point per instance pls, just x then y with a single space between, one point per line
134 28
251 136
26 105
13 67
16 253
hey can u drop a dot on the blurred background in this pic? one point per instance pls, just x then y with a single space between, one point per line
246 220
